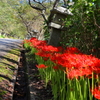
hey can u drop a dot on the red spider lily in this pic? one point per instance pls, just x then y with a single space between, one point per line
56 67
96 93
43 54
75 73
41 66
54 57
45 58
60 49
72 50
37 43
80 65
49 48
78 60
26 41
74 61
96 66
33 39
96 76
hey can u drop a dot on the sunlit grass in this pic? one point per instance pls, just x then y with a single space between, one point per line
2 36
8 65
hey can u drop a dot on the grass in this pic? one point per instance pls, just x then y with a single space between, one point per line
2 36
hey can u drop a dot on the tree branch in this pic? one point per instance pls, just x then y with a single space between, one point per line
40 4
37 8
25 23
56 3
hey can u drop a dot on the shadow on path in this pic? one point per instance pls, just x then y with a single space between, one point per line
9 55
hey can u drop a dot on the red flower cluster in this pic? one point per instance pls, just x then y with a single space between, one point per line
72 50
26 41
41 66
73 62
42 45
77 64
96 92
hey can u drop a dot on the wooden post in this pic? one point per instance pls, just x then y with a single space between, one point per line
56 25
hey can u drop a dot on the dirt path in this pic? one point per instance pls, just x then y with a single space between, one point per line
9 55
8 44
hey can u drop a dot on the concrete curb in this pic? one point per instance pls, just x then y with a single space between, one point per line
30 88
14 77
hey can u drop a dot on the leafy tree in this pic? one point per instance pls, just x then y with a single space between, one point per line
9 22
16 18
83 28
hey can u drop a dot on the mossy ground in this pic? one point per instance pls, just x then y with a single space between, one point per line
8 66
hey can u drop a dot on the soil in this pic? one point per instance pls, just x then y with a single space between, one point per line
20 90
40 91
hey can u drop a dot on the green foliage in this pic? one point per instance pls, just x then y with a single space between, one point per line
10 22
6 64
83 27
27 46
46 33
1 36
10 13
